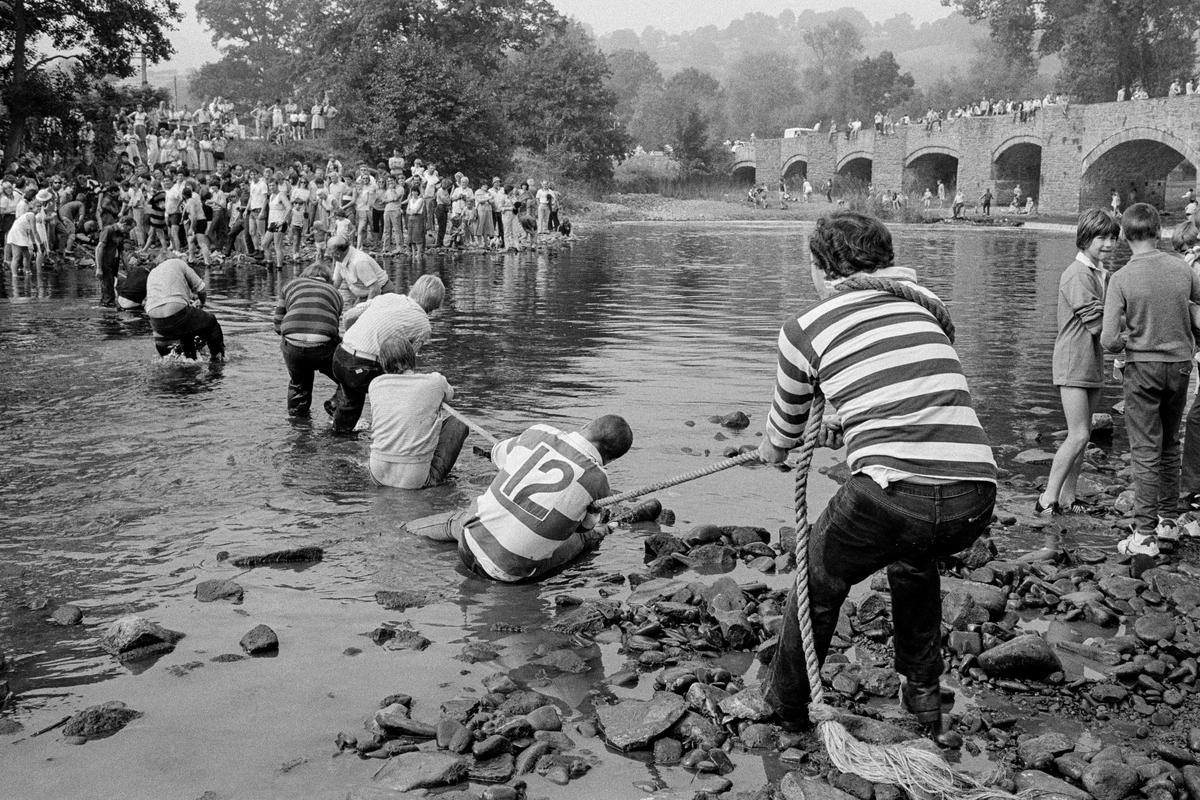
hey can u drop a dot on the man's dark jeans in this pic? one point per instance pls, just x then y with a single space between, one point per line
185 326
441 213
302 365
353 376
905 528
1155 396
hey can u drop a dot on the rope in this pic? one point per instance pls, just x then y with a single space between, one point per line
918 772
744 458
492 440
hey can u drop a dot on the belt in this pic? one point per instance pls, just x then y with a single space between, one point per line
363 354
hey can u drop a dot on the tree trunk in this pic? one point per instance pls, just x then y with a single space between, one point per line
17 111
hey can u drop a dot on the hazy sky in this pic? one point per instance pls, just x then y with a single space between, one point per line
193 47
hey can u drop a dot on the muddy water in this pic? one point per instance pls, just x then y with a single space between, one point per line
123 477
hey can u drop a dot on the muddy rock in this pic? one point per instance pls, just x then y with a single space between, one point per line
1038 752
492 770
210 591
663 544
965 642
1047 787
260 640
98 722
405 599
1152 628
633 724
795 786
992 598
564 661
1027 656
959 610
667 751
703 534
748 704
476 652
422 771
591 617
406 640
545 718
298 555
1034 456
523 702
1110 780
528 758
880 681
736 420
131 638
67 615
712 558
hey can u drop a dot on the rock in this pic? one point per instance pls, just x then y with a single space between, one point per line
591 617
422 771
406 598
646 511
296 555
1046 787
1027 656
528 758
735 421
97 722
524 701
1033 456
493 770
447 729
1191 779
667 751
1153 628
475 652
501 793
632 724
491 746
260 640
747 704
965 642
131 638
854 785
880 681
698 729
1108 693
795 786
703 534
1102 422
1040 751
1110 780
758 736
406 639
959 610
210 591
662 544
708 559
564 661
545 718
67 615
992 598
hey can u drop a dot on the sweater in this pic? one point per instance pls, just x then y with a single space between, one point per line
310 308
1151 293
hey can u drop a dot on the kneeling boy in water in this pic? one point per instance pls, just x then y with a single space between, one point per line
540 512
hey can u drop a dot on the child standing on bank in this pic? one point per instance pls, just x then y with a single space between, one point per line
1146 314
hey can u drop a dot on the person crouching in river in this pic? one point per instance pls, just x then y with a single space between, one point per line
540 512
923 480
1078 364
413 444
307 316
175 298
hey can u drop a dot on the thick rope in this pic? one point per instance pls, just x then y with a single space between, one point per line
492 440
918 772
744 458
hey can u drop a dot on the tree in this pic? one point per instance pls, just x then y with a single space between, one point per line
630 71
89 38
834 43
412 98
763 94
558 104
876 84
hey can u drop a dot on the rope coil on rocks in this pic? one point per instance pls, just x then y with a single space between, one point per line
919 772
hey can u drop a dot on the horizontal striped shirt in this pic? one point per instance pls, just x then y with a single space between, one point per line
309 308
889 371
383 316
546 482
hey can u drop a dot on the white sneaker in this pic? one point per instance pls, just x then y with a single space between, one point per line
1167 530
1138 544
1191 525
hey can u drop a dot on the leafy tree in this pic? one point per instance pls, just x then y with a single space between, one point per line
412 98
876 84
835 43
763 94
558 104
92 39
630 71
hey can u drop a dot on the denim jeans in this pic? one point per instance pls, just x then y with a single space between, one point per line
905 528
1155 395
353 375
302 365
1189 477
441 213
185 326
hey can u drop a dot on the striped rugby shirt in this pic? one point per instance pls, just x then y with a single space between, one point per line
546 482
308 308
887 368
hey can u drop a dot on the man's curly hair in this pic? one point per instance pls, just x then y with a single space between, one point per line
846 243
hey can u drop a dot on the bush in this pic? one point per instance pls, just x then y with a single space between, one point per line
258 153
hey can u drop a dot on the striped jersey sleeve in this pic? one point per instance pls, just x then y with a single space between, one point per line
308 306
547 480
887 368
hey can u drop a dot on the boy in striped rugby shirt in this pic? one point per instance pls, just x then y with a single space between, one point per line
923 481
307 316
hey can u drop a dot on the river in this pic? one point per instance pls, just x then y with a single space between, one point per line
123 476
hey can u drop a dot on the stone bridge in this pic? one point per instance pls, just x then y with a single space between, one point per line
1068 157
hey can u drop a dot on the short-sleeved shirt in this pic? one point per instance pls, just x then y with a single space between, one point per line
384 316
112 242
1078 358
171 286
133 286
360 272
546 482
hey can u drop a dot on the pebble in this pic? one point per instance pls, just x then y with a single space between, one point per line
260 640
67 615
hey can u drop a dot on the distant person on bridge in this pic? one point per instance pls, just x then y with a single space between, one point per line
985 200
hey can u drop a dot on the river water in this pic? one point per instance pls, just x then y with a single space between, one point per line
123 476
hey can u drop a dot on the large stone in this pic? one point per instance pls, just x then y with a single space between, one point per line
1027 656
405 599
709 559
260 640
748 704
591 617
67 615
880 681
545 718
524 701
1040 751
795 786
493 770
296 555
699 730
131 638
1110 780
992 598
736 420
632 724
1156 627
422 771
1046 787
1120 587
97 722
563 661
210 591
1034 456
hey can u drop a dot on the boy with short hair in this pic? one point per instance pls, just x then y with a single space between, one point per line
540 512
1146 314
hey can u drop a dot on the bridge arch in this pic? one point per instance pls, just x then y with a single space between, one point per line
854 155
743 171
1017 162
931 150
1141 163
926 167
796 167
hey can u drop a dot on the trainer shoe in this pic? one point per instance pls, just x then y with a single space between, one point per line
1138 544
1167 530
1190 524
1040 510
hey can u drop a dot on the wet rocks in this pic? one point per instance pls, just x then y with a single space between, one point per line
563 661
100 721
213 590
545 718
992 598
492 770
475 652
736 420
795 786
1039 752
1152 628
1026 656
1110 780
422 770
1040 784
405 599
589 618
132 638
67 615
632 724
260 641
297 555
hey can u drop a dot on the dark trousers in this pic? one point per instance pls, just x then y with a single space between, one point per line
235 230
185 327
442 213
498 225
109 265
987 206
353 376
1155 395
376 221
302 365
905 528
1189 478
